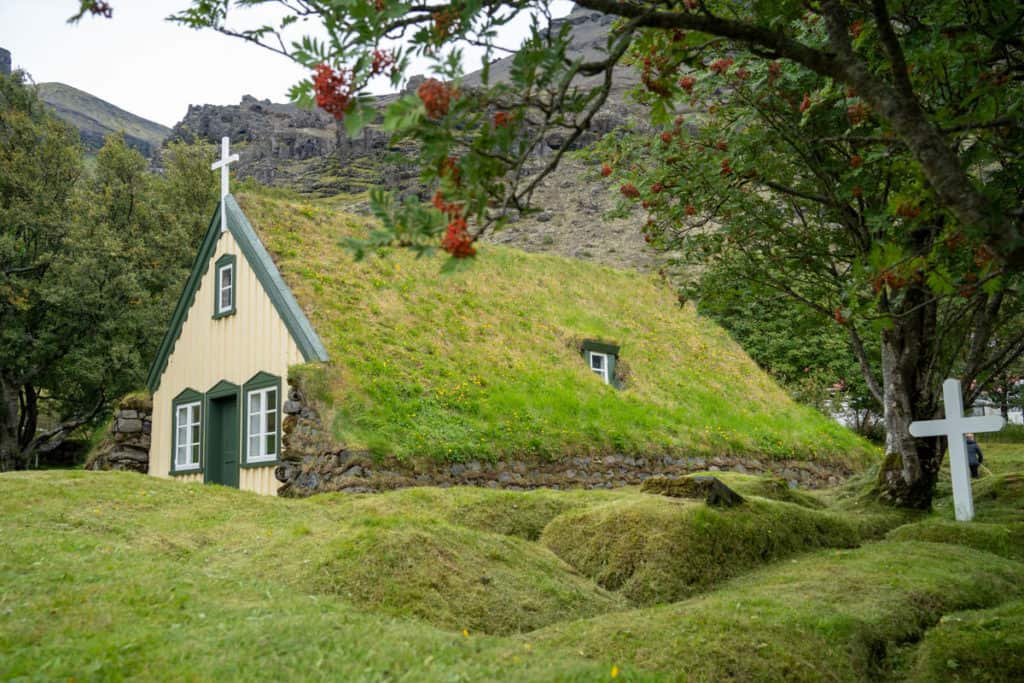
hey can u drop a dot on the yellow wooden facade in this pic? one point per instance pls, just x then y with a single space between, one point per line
234 348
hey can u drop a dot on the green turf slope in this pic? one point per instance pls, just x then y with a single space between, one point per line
112 576
484 363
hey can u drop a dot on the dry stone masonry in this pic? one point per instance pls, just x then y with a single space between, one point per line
127 445
314 464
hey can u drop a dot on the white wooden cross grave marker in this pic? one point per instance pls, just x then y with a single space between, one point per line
954 427
222 164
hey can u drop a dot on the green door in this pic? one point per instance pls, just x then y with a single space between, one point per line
222 441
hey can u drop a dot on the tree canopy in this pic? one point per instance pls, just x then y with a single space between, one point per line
90 265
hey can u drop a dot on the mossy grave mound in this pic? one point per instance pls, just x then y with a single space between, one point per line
977 645
656 549
829 615
453 577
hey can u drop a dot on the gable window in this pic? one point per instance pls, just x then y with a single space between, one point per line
188 429
224 287
262 419
601 358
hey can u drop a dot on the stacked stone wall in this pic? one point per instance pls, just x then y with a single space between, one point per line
126 446
313 463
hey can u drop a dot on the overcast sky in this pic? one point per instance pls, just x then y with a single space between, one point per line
148 66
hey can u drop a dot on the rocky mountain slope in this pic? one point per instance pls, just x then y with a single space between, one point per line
96 118
283 145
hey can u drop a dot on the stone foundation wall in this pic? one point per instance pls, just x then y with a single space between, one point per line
127 445
313 464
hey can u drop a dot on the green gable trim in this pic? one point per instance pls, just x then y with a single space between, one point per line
185 397
185 301
221 389
261 380
259 260
280 294
225 260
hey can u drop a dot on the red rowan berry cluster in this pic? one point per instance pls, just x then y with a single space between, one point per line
606 170
444 22
721 66
449 168
456 241
502 119
381 61
629 191
436 97
857 113
655 82
774 71
805 103
333 90
687 83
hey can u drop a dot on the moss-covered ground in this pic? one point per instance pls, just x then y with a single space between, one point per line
485 362
110 576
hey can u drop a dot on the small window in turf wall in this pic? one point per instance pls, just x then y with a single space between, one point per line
601 358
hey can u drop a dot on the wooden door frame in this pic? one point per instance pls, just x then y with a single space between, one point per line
219 391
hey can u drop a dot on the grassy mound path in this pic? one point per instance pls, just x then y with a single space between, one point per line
108 576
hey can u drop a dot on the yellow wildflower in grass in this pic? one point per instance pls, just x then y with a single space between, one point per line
465 632
615 671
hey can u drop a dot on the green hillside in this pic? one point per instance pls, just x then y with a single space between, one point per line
484 363
95 118
115 576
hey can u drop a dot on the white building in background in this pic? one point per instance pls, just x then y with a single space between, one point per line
983 406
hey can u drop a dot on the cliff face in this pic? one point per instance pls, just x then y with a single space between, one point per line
283 145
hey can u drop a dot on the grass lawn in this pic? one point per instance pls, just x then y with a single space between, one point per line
110 576
485 363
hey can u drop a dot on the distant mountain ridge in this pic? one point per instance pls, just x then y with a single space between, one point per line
96 118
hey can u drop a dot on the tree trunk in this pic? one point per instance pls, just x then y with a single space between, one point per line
911 467
10 448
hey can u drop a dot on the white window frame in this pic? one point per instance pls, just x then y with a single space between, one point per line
264 408
221 289
193 416
603 370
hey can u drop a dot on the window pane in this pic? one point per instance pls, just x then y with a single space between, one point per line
271 422
195 454
254 445
596 361
271 439
254 424
179 455
254 403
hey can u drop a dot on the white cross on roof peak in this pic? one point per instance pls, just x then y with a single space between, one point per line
222 164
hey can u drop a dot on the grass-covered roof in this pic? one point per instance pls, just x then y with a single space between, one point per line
485 362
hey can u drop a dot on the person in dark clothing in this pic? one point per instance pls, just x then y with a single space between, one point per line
974 456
